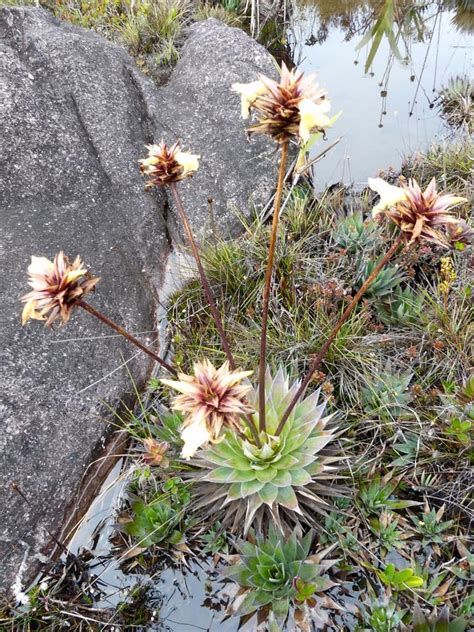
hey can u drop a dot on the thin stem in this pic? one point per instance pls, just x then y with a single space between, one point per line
209 296
325 348
202 275
105 319
266 289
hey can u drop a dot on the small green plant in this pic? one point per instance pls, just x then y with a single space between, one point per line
437 622
403 309
277 572
387 532
216 540
177 491
353 233
386 281
334 527
387 395
460 403
155 522
376 495
460 430
404 579
406 450
381 615
430 525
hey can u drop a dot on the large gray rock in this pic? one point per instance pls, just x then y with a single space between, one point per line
198 106
76 114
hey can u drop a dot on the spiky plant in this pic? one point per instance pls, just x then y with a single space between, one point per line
437 622
284 480
384 284
388 394
152 523
381 615
456 102
403 309
352 233
276 573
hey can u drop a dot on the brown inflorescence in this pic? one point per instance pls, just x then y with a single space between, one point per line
57 287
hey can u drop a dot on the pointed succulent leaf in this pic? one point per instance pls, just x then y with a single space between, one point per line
287 498
300 478
220 475
268 493
280 608
282 478
267 475
251 487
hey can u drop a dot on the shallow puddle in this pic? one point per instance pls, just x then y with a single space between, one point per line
378 131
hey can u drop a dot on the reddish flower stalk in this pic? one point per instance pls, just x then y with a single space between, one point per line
202 274
208 292
120 330
266 289
325 348
165 166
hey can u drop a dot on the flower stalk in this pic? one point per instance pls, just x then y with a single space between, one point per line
209 295
202 274
120 330
326 346
266 289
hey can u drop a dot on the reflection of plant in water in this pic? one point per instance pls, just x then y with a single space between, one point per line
456 102
463 17
384 26
399 23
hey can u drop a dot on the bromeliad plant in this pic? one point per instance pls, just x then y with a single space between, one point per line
284 480
278 575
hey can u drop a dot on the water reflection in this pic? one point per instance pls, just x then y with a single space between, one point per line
387 88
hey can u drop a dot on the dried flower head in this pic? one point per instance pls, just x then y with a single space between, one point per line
211 398
57 285
419 214
155 452
292 108
165 165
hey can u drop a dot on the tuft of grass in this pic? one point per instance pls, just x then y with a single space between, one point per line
155 29
229 13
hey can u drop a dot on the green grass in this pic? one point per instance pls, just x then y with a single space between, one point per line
152 30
